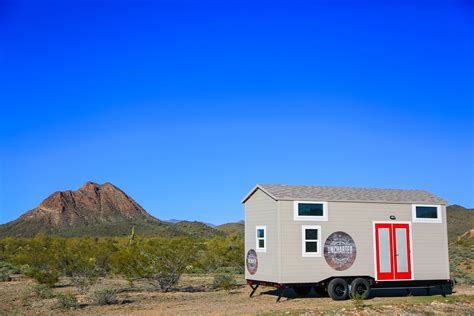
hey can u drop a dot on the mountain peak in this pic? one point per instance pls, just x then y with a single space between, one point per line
91 204
89 185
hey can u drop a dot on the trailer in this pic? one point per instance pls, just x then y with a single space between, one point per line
344 241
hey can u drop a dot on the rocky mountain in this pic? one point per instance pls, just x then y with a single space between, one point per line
97 210
91 204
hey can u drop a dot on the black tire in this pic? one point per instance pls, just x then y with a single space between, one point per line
360 288
338 289
302 290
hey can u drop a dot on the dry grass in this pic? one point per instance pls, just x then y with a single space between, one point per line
196 295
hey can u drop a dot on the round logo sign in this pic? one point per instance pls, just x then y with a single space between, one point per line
340 251
252 261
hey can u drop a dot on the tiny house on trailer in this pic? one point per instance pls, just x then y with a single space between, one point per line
345 241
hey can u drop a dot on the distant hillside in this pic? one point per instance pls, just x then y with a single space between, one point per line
105 210
174 221
197 229
461 243
460 220
97 210
232 228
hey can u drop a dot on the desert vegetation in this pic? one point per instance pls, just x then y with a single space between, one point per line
53 275
83 261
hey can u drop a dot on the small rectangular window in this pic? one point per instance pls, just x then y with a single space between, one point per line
311 246
311 236
261 237
426 213
310 211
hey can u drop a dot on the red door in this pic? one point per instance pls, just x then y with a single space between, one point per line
393 251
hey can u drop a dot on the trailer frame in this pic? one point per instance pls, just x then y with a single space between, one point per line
408 285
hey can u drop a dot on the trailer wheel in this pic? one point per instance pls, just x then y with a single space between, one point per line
302 290
360 288
338 289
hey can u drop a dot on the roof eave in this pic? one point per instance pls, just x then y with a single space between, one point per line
443 202
257 187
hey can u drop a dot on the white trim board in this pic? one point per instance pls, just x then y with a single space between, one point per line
303 241
439 214
257 248
297 217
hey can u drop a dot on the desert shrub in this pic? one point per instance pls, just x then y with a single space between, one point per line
224 281
464 278
159 261
43 291
5 277
67 301
39 256
124 262
85 256
83 280
105 297
44 277
8 268
86 275
223 252
30 294
25 296
25 268
358 302
198 270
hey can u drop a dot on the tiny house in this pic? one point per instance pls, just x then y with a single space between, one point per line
345 241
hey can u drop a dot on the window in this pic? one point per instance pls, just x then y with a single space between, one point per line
311 236
310 211
261 239
426 213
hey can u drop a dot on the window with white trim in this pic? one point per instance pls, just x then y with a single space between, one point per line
426 213
311 240
310 211
261 237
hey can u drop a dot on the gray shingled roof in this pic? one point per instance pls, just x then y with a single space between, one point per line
327 193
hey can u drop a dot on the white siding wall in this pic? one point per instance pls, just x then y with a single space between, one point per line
430 249
260 210
429 253
283 261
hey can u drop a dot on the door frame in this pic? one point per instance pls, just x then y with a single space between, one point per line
375 248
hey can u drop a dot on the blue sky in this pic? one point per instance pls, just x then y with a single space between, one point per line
187 105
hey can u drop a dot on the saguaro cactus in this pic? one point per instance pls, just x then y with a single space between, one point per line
132 235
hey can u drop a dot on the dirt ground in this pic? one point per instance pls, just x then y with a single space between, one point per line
195 295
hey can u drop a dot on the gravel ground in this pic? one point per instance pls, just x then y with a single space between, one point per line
195 295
